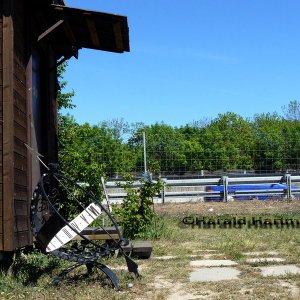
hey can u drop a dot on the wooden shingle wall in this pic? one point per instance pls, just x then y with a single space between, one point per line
1 128
20 135
7 126
15 228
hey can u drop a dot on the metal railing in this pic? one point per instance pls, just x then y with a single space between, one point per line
183 190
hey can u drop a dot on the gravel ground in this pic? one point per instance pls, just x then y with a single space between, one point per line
253 207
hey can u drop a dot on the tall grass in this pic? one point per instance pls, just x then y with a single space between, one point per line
32 274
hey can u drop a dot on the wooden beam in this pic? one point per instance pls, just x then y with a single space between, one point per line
97 237
107 233
69 32
93 32
29 138
8 130
118 37
50 30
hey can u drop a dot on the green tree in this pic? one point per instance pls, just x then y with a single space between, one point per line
228 142
88 152
270 142
64 99
165 147
291 112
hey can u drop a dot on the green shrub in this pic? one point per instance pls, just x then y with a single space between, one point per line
136 215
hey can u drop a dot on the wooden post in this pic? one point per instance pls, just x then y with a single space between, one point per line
8 169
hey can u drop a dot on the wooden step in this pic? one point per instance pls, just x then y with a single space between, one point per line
139 249
108 233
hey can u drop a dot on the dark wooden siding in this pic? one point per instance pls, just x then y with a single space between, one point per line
21 201
18 41
14 194
1 127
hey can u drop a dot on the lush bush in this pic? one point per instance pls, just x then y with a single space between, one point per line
136 214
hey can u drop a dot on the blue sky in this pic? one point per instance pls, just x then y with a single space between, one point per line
190 60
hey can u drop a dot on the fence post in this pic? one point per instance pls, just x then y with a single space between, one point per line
163 191
289 185
145 153
225 185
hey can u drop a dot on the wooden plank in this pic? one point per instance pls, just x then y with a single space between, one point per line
1 177
20 117
20 162
22 238
20 101
20 177
20 87
1 140
20 132
1 94
21 223
29 116
118 36
1 194
19 147
1 242
8 187
50 30
21 209
52 115
99 233
20 34
97 237
21 193
93 32
19 70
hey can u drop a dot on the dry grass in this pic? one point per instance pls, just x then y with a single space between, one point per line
169 279
254 207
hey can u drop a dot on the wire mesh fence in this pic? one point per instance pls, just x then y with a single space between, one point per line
194 155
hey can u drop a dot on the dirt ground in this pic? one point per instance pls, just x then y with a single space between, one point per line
252 207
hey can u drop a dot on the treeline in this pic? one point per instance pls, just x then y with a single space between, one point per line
265 143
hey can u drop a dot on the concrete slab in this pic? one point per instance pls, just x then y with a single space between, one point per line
205 250
214 274
260 253
166 257
208 256
125 268
212 263
278 270
264 259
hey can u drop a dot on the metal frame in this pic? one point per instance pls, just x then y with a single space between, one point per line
164 196
47 221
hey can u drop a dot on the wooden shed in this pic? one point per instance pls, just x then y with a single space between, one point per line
36 36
